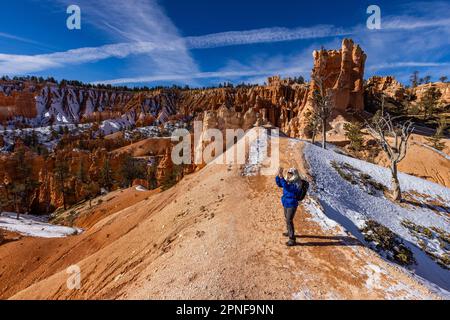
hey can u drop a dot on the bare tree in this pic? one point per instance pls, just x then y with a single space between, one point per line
381 128
323 106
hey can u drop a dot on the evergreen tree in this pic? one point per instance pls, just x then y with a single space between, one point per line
62 174
92 191
414 79
435 141
131 169
354 134
151 175
82 173
312 125
429 101
23 185
106 176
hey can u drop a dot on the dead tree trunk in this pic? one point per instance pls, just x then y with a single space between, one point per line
396 191
323 106
324 134
382 128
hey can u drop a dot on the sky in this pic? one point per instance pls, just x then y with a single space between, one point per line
205 42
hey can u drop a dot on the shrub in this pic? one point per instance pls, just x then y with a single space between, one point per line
356 177
440 235
387 241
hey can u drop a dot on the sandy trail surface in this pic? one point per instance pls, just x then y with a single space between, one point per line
215 235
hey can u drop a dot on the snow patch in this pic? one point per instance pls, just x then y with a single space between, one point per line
349 205
35 226
258 150
141 188
318 216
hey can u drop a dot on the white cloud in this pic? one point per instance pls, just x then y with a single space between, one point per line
143 30
402 64
140 27
224 74
256 70
264 35
162 46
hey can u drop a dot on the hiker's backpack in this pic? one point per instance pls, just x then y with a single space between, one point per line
303 190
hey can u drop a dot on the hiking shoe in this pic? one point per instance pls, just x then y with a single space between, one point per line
291 243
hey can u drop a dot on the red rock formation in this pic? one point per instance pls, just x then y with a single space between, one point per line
280 102
342 72
18 104
165 167
389 86
444 88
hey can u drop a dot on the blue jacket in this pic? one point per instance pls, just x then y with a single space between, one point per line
290 192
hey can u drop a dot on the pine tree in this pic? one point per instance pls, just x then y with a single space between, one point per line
106 178
312 125
5 201
62 174
23 184
151 175
435 141
131 169
354 134
92 191
81 173
414 79
429 101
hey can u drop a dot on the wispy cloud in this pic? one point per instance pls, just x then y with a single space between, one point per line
403 64
161 45
256 70
142 29
264 35
231 75
38 44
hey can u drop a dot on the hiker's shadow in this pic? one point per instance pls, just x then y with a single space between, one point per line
328 241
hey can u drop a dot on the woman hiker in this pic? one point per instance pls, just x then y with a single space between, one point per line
292 190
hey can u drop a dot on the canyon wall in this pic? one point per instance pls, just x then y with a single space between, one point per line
280 102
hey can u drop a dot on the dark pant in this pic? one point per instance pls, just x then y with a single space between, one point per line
289 213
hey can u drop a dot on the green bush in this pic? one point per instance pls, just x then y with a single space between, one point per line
385 240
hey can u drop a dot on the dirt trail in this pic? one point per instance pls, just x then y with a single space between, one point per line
218 235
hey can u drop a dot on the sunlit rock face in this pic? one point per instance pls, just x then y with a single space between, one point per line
280 102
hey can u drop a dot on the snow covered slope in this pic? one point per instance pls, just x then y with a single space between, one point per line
352 203
34 226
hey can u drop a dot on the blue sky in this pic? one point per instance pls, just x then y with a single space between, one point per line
200 42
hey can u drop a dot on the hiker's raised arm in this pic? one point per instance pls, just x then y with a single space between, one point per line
280 182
